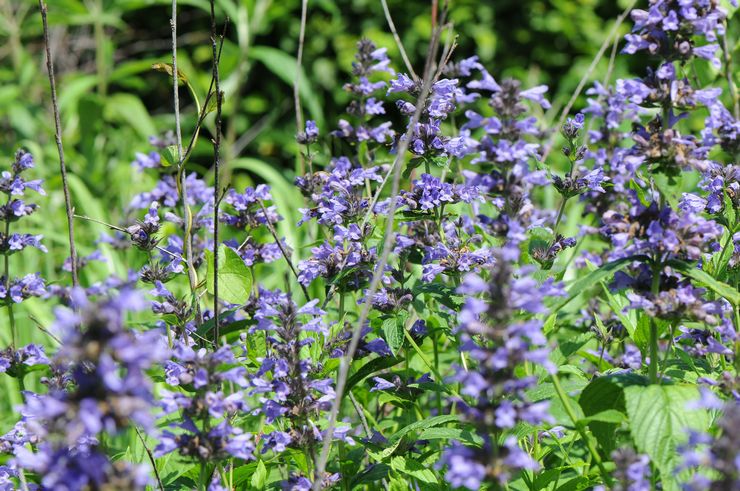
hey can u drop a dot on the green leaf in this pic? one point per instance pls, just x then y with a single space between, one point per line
659 420
373 473
393 332
169 156
604 394
464 436
443 294
234 280
423 424
284 67
259 476
413 468
371 367
607 416
729 211
722 289
129 109
584 283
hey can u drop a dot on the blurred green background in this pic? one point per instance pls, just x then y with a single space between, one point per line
112 101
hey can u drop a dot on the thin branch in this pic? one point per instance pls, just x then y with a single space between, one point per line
217 169
586 77
176 81
181 174
41 328
206 103
346 360
397 38
60 148
120 229
361 414
283 251
151 459
297 80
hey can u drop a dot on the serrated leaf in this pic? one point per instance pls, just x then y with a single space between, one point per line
393 332
234 279
659 420
259 476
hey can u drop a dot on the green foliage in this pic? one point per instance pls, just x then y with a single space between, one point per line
234 279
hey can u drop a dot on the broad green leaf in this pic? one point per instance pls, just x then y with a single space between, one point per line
702 278
413 468
659 420
234 279
604 394
259 476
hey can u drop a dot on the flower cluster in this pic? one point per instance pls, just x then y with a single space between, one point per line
106 391
497 340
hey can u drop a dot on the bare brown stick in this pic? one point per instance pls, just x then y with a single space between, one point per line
586 77
397 38
217 169
297 80
151 459
346 360
60 148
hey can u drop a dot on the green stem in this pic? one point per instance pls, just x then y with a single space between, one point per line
203 478
435 345
11 316
426 361
653 367
560 216
572 415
